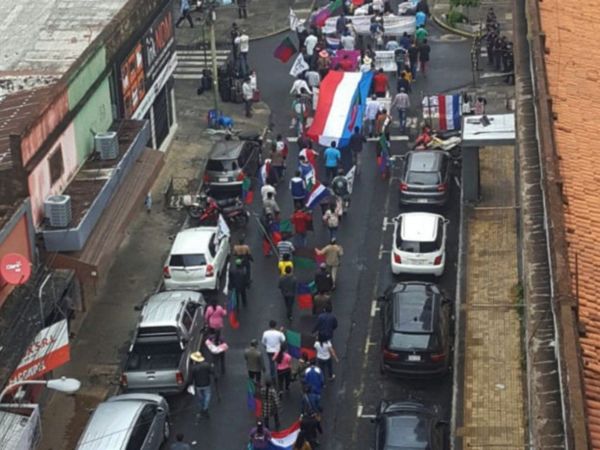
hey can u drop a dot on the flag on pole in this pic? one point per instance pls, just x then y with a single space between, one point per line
253 399
247 192
299 343
299 66
232 310
264 171
294 21
304 295
285 50
332 9
316 194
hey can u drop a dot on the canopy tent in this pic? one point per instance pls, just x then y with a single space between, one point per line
342 98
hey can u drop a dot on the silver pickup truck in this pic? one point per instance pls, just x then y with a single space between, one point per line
169 330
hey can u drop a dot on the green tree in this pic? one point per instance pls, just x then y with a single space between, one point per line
467 4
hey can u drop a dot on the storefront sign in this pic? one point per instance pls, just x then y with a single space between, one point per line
158 43
155 89
133 83
15 269
49 350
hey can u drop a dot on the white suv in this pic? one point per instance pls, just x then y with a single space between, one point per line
196 260
419 244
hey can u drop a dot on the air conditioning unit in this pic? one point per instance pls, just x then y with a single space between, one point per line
107 145
57 209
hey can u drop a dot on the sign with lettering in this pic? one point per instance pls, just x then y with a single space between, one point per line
158 43
49 350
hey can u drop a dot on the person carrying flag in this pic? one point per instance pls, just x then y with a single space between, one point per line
307 171
242 251
288 285
255 363
260 436
239 281
298 189
270 404
213 316
309 153
302 221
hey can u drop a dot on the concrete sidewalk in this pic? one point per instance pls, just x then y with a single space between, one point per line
491 403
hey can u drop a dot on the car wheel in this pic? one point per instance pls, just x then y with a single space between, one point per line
166 430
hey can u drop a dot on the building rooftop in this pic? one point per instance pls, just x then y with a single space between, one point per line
41 40
573 79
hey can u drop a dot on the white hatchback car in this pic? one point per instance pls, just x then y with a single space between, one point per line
196 260
419 243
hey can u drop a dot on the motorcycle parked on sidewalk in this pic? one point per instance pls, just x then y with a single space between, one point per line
206 210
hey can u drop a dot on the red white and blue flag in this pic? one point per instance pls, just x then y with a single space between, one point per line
317 193
445 108
285 439
264 171
342 96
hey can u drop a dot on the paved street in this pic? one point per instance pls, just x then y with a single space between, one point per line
365 272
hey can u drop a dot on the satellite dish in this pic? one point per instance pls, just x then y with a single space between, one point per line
15 269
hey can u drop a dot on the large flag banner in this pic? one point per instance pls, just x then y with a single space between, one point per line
285 50
304 294
444 111
285 439
339 106
253 399
350 177
392 25
299 66
299 343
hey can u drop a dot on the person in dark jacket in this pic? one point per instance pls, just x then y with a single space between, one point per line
288 285
326 324
323 280
413 57
238 280
321 301
310 425
202 375
270 404
242 9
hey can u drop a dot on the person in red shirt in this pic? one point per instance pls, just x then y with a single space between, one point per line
301 221
380 83
346 64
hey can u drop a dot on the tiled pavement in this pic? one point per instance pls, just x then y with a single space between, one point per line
493 392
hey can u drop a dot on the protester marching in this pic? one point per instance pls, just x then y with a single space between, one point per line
354 65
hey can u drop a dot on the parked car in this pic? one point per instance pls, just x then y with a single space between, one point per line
419 244
409 426
169 330
416 323
129 421
425 178
231 161
197 259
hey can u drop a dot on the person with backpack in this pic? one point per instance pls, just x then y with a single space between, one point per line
332 220
298 189
260 436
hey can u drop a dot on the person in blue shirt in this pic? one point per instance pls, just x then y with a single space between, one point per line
405 41
185 14
332 160
420 19
313 377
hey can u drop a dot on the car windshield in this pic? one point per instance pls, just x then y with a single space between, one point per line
407 432
221 165
418 247
423 178
413 341
192 260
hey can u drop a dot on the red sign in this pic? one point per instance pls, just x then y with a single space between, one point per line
49 350
15 268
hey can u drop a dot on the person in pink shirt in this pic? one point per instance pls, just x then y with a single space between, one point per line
213 317
283 361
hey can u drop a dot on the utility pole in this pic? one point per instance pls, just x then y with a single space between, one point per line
212 18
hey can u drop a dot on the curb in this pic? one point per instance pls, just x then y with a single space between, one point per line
447 27
275 33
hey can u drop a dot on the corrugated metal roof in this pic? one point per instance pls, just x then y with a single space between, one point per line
573 70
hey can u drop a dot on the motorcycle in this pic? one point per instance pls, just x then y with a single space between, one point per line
437 140
207 210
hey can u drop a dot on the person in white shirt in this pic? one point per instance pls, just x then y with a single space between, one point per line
272 340
248 95
299 86
243 45
313 78
347 41
371 111
265 190
310 42
325 353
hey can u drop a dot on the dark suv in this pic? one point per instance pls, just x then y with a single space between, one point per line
409 426
416 338
425 178
229 163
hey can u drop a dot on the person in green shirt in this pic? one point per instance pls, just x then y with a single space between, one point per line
421 34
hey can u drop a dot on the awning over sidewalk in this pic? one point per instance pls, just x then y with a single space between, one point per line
93 260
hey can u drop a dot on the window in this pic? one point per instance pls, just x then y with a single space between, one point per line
192 260
57 167
221 165
423 178
186 321
142 428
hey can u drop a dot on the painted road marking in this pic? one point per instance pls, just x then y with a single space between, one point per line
374 308
360 415
457 181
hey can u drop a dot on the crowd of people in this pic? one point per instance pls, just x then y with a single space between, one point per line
271 368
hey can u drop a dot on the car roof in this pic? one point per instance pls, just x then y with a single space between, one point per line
414 309
192 241
163 308
419 226
110 425
425 161
226 150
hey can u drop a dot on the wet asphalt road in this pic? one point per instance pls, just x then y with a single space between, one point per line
365 273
